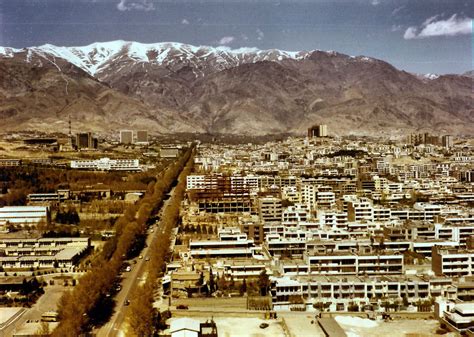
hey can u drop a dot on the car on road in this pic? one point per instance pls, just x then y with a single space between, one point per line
147 258
140 257
126 303
263 325
128 268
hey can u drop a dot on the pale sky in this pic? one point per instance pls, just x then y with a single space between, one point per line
423 36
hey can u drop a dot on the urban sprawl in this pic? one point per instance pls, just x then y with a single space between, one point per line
318 225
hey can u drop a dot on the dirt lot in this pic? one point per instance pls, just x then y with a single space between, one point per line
359 327
248 327
212 302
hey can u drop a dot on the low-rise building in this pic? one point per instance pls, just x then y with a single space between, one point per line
25 215
344 290
42 253
452 262
107 164
460 318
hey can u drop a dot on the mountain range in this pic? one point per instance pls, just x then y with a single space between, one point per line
173 87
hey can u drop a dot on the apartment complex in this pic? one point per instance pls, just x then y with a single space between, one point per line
107 164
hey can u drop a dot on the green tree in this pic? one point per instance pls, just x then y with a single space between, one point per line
243 287
212 284
263 283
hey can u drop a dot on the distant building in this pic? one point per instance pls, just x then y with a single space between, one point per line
48 198
126 136
42 253
107 164
448 141
318 131
169 152
85 140
10 162
423 138
142 136
24 215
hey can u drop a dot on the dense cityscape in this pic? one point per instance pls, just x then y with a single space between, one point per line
236 168
316 235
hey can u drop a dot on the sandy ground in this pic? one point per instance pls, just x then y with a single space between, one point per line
299 324
248 327
359 327
6 313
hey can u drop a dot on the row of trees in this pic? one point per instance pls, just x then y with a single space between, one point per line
69 216
81 308
18 182
141 316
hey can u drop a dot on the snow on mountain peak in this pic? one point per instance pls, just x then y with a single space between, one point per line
8 52
431 76
96 57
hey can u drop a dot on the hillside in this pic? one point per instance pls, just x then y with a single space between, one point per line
170 87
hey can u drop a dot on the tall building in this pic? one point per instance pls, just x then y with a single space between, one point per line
142 136
423 138
448 141
318 131
84 140
126 136
270 209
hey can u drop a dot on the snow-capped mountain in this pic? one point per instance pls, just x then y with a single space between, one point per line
179 87
96 57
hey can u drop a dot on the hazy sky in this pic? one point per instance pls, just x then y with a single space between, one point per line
424 36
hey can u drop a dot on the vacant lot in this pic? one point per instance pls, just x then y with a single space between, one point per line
360 327
248 327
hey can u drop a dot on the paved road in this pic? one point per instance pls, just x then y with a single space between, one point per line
130 282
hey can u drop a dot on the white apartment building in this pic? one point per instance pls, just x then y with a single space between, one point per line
460 318
326 199
295 214
270 209
360 210
308 195
349 289
291 194
230 245
452 262
356 264
459 233
277 245
332 219
107 164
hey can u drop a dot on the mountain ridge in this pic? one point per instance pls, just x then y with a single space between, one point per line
179 87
